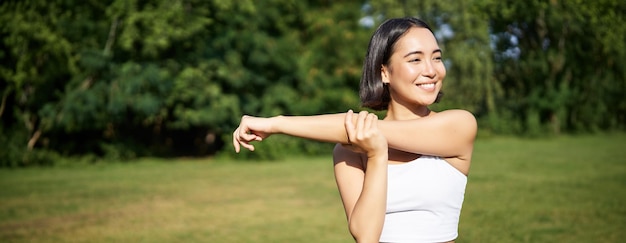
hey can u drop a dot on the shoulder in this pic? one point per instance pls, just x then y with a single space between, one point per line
457 114
342 154
459 125
458 118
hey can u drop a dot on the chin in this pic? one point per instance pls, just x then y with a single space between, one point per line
431 99
425 102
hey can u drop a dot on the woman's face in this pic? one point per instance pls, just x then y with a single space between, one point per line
415 71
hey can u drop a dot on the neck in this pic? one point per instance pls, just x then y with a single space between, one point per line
398 112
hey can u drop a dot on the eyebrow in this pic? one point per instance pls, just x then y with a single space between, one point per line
420 52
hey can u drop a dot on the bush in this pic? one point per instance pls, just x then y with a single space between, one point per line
15 153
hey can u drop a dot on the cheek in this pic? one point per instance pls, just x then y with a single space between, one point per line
442 71
404 72
410 71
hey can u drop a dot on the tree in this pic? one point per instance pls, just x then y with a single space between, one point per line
129 78
531 67
561 63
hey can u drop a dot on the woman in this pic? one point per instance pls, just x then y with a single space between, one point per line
403 178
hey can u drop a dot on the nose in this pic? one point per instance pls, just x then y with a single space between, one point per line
429 69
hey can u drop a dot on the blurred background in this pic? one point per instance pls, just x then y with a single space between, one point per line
116 116
125 79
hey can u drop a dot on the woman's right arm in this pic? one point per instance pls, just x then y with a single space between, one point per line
363 186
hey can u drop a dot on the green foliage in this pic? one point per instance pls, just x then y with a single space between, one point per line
125 79
14 152
532 67
564 69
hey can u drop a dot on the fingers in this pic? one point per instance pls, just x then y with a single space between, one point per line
349 125
360 128
368 123
242 137
355 129
360 123
236 141
374 123
242 140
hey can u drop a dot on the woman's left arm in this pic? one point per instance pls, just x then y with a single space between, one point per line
446 134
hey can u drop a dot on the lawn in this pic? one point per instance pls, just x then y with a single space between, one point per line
565 189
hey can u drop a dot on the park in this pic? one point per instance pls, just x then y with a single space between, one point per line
116 116
565 189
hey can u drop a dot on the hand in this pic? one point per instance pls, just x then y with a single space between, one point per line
364 136
251 129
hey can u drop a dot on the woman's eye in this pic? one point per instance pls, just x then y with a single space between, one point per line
438 58
414 60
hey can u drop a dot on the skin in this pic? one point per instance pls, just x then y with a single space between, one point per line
365 211
414 74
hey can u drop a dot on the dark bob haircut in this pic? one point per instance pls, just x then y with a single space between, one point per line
372 92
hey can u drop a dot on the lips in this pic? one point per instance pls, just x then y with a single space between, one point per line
427 86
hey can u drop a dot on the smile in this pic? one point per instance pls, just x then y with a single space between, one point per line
429 87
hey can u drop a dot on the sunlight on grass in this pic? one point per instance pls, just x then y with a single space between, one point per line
566 189
159 201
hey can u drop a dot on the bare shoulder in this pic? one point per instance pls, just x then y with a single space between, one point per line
460 119
347 156
458 114
460 130
464 127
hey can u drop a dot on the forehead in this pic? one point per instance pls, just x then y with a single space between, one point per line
416 39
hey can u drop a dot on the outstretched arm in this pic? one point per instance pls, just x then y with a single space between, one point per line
324 128
446 134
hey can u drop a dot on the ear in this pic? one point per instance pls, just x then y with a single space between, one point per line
384 74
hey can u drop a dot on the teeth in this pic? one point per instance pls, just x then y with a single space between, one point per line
429 85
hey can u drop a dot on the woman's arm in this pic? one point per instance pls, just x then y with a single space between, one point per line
325 128
363 187
446 134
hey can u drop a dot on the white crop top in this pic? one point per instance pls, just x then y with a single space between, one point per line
424 199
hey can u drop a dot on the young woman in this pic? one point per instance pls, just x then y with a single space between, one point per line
403 178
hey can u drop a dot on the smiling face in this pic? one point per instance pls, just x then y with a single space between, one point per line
415 70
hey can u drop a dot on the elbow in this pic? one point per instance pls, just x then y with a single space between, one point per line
354 231
361 235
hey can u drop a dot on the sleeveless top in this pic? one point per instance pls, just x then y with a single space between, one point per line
424 199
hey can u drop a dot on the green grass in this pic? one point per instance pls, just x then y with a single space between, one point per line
566 189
